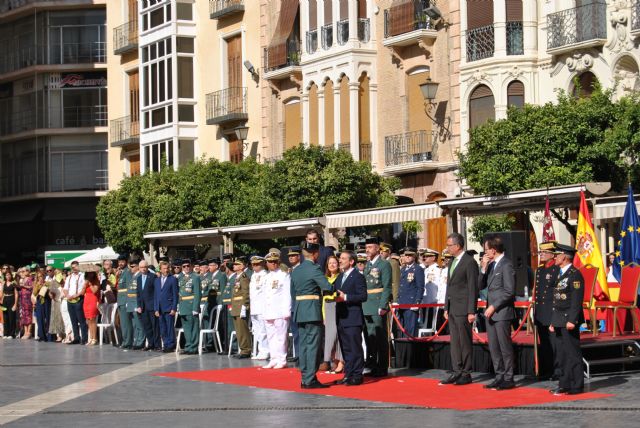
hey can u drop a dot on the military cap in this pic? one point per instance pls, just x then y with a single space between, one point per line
446 254
408 251
163 259
123 257
360 246
227 256
430 252
361 258
256 259
240 260
565 249
372 240
275 250
177 262
214 260
272 256
197 262
385 247
294 251
134 261
547 246
186 261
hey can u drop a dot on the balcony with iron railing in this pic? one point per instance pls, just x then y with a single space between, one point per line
480 43
219 9
515 45
410 151
577 28
312 41
400 30
125 38
55 54
124 131
53 118
635 17
289 67
227 105
327 36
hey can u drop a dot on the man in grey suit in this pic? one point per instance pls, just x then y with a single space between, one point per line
460 309
498 276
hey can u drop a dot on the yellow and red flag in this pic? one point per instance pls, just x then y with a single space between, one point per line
588 250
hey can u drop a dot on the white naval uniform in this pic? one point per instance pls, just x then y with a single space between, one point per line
432 278
256 299
276 311
442 287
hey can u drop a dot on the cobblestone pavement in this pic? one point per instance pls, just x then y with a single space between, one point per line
56 385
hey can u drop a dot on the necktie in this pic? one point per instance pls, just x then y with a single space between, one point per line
164 278
454 263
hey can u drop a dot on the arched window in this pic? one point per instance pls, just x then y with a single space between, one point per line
584 85
481 106
515 94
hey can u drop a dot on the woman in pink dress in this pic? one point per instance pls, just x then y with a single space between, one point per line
25 287
90 305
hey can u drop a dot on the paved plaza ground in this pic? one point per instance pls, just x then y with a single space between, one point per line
53 385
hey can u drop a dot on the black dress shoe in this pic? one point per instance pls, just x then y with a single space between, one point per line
147 348
292 359
506 384
575 391
342 381
242 356
157 349
379 373
450 380
137 348
354 381
166 351
315 384
558 391
463 380
493 385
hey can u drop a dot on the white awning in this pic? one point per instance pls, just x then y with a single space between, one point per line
184 234
275 226
387 215
611 210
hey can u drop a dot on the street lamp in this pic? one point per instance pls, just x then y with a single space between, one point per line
429 90
241 132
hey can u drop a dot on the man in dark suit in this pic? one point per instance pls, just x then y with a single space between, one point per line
313 237
565 322
352 291
499 278
165 304
146 309
461 301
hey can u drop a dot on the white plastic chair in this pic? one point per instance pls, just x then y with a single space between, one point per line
109 316
210 330
180 331
231 339
434 323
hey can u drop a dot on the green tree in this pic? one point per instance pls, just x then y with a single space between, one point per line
484 224
207 193
572 141
410 228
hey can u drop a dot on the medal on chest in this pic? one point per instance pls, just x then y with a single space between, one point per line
275 284
410 276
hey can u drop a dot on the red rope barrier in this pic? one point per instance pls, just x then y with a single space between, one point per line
413 338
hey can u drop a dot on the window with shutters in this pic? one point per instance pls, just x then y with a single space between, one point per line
481 106
514 27
480 35
515 94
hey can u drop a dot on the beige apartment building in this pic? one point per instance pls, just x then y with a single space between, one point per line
53 125
188 78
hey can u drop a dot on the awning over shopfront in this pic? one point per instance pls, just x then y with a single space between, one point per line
185 237
278 229
387 215
612 207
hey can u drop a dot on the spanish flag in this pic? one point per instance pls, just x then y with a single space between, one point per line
588 250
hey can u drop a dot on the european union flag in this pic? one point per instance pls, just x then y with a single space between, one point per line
629 243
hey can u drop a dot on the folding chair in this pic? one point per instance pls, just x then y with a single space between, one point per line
109 318
590 275
208 330
628 296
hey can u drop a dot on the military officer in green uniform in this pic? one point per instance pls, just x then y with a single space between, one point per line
226 320
307 284
189 307
378 276
385 253
132 304
205 286
177 268
240 308
123 280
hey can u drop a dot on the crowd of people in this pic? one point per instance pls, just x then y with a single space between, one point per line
325 300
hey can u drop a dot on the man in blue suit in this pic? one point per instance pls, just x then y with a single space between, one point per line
411 290
165 304
352 291
146 307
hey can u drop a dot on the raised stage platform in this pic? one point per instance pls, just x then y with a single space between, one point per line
436 354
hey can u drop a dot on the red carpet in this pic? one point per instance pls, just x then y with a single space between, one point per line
409 391
527 339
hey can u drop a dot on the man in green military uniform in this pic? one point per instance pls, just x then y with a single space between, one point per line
189 307
123 279
205 286
240 308
378 276
227 291
386 254
132 304
307 284
218 284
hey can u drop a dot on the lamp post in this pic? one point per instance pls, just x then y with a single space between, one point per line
429 90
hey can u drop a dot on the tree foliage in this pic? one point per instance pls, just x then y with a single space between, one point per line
484 224
307 182
573 141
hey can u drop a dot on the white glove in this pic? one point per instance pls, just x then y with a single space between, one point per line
243 311
414 309
382 311
195 313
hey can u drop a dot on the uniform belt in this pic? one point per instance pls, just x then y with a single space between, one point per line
132 295
226 300
238 298
123 291
308 297
203 299
186 297
375 290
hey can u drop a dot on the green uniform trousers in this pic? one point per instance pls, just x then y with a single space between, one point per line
377 341
309 336
126 327
139 338
190 324
243 335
